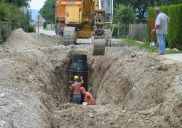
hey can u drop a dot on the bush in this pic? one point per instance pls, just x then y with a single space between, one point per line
31 28
115 32
3 34
47 22
4 10
13 13
15 16
174 35
124 14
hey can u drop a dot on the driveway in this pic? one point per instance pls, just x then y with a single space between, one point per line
177 57
48 32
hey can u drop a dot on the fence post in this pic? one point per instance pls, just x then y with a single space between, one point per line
134 31
129 30
7 27
140 37
124 29
0 31
118 29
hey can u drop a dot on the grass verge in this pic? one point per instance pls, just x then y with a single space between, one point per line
148 47
48 29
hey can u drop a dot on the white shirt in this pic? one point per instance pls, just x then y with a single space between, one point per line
162 21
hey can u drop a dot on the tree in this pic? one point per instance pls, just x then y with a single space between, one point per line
4 10
124 14
47 10
141 6
19 3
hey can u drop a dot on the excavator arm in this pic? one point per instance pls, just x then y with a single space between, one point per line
91 15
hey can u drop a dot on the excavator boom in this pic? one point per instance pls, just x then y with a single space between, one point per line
87 21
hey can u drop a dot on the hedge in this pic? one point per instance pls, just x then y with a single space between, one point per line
47 22
31 28
174 36
115 32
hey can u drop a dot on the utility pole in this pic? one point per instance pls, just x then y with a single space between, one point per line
31 15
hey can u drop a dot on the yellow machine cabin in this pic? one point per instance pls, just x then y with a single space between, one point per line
72 15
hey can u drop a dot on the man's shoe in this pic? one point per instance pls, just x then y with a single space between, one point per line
161 54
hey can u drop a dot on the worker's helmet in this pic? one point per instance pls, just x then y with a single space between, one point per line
81 88
76 78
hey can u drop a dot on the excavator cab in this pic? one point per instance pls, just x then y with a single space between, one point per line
108 7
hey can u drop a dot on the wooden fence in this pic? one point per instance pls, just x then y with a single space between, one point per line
138 31
123 30
134 31
6 28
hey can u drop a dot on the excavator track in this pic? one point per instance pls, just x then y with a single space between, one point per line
69 35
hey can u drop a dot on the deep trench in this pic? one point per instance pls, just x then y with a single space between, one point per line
120 88
62 77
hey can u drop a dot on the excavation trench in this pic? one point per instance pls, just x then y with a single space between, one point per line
137 88
134 82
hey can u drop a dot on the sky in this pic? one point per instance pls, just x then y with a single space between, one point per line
37 4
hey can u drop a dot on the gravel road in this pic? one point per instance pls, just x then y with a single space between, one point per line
48 32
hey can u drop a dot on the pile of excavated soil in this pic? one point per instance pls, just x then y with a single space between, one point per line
137 88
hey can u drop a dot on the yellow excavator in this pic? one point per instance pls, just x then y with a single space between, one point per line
87 21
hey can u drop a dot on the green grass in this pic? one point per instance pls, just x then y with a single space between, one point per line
147 46
48 29
1 43
115 37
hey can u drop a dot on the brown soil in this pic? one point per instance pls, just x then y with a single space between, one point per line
137 88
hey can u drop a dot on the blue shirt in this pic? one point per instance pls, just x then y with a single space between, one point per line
162 21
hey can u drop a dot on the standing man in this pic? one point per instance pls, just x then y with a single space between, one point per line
161 29
75 88
87 97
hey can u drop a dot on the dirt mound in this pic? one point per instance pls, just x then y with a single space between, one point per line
137 88
20 40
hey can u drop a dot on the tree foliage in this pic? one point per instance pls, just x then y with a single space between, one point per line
124 14
4 10
14 14
141 6
19 3
47 10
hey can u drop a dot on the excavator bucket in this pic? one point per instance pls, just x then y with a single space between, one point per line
98 45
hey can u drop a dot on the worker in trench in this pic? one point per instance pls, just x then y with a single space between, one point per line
87 97
75 88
